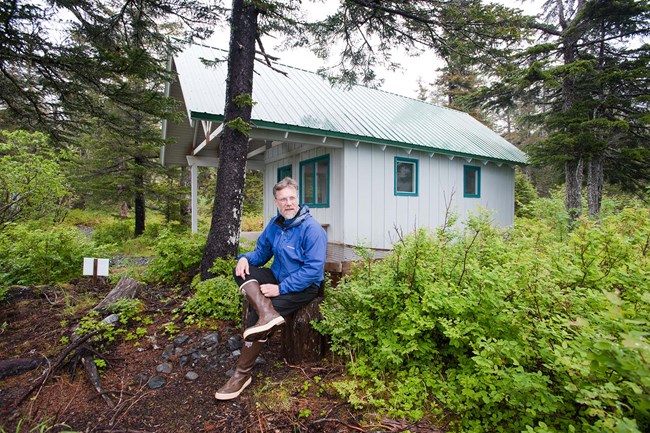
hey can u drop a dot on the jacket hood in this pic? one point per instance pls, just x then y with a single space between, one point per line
303 214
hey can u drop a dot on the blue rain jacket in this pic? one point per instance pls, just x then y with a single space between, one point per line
298 247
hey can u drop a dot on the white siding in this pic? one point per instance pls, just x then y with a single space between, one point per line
374 216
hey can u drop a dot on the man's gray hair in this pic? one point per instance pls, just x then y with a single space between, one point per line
284 183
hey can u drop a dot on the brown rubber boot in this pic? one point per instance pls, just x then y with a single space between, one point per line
242 377
268 317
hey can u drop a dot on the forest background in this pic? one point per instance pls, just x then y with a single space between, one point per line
82 98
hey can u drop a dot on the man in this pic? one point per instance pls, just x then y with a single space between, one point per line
298 244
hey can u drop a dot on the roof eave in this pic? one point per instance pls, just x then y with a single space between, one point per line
263 124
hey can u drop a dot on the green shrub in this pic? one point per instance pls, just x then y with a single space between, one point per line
113 233
536 329
176 256
252 222
218 297
31 255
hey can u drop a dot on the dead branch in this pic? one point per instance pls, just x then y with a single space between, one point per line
93 375
54 365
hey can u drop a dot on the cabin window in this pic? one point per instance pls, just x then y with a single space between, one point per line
315 182
472 181
406 176
285 171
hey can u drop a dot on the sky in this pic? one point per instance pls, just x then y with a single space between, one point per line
403 81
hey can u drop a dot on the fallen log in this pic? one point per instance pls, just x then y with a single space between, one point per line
14 367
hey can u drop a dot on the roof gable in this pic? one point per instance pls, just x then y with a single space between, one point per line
304 101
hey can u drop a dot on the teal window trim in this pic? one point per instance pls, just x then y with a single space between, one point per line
282 172
475 173
314 186
415 174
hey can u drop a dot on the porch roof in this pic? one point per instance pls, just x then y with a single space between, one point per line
304 107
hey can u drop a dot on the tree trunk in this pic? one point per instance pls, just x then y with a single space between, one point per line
300 341
573 175
139 202
594 185
573 165
223 238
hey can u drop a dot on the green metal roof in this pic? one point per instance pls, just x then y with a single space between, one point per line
305 102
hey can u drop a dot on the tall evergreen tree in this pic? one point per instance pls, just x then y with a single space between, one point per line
588 78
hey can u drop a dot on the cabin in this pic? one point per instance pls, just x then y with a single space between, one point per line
369 163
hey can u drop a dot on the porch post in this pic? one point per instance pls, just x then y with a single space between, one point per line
194 170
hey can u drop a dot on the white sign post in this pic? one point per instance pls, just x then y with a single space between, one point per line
94 266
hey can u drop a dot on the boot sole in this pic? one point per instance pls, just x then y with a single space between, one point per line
230 395
261 332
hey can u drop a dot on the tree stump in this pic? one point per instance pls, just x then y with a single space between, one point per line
300 341
126 288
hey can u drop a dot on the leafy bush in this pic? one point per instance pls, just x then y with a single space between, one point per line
113 232
129 311
32 183
176 256
536 329
218 297
252 222
31 255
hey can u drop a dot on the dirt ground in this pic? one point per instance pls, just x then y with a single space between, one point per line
35 322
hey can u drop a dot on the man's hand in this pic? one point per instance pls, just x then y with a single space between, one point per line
270 290
242 269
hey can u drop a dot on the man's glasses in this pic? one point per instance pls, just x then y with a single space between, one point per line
286 200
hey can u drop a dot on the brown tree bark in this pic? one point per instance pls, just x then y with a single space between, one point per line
594 185
300 341
223 238
139 201
573 176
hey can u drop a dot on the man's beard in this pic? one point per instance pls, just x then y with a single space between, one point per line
288 215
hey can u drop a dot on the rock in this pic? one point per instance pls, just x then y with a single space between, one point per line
165 367
184 360
156 382
191 375
234 343
181 339
260 361
167 353
211 339
236 353
109 320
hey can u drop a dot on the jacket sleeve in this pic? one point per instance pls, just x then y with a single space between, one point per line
311 272
263 248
